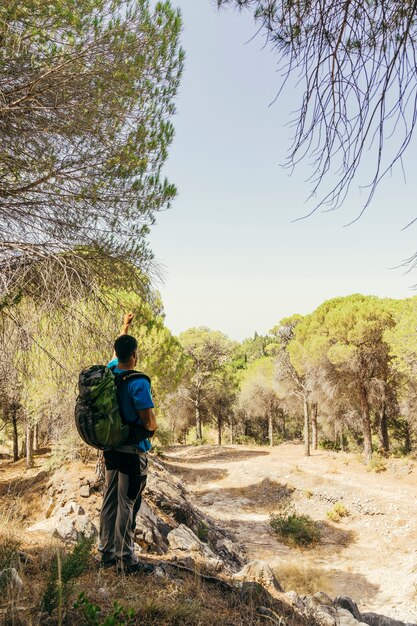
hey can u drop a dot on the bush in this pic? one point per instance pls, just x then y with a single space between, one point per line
245 440
294 529
64 570
328 444
337 512
377 463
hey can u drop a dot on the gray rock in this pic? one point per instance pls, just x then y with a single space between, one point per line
260 572
349 605
85 491
294 599
346 618
70 523
182 539
9 576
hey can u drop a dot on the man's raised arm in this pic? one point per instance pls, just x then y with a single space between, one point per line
127 320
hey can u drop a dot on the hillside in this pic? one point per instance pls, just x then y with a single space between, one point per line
205 517
370 555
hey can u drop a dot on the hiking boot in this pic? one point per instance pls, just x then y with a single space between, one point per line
106 562
133 566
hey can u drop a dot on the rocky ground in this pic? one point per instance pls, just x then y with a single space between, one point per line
206 510
370 555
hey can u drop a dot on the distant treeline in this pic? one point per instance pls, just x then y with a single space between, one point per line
342 377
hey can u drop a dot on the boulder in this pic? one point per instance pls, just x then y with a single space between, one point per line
183 539
69 523
85 491
294 599
349 605
260 572
346 618
9 576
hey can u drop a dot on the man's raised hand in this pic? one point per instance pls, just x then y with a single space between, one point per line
128 318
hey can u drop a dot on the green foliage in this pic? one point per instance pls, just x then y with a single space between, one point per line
294 529
202 531
377 464
9 551
88 91
328 444
120 615
64 570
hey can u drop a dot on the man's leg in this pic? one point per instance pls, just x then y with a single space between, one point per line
108 517
143 465
123 532
132 480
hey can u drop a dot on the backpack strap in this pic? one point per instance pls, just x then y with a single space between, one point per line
129 375
137 432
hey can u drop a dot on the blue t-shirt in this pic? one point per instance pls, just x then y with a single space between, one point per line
135 396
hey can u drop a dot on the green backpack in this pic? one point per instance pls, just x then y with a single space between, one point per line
98 416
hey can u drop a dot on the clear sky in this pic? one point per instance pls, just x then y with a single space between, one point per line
233 258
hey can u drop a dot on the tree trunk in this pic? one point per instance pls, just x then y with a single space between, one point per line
407 438
366 427
29 446
198 429
15 435
35 437
232 429
382 429
284 426
219 430
270 430
306 428
314 425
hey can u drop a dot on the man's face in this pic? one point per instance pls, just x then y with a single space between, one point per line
135 357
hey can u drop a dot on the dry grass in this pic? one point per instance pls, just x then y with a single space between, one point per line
303 579
338 512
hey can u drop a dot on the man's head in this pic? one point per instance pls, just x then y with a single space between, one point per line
126 348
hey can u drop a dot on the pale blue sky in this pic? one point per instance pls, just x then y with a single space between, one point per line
233 259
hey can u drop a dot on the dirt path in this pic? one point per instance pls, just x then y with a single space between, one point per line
371 555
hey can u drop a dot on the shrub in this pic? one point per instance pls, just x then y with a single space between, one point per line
64 570
9 551
202 531
337 512
294 529
328 444
377 463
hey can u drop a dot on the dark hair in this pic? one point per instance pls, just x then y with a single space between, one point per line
124 347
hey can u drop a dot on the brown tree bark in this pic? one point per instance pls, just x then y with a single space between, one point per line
219 430
306 427
198 428
232 429
270 429
35 437
366 427
15 435
314 411
29 446
382 429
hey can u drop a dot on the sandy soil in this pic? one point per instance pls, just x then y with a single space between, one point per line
370 556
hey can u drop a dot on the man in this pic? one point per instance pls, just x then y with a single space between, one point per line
127 465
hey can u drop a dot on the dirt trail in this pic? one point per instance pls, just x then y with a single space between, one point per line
371 555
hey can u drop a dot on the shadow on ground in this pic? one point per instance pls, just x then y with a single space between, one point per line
265 495
193 475
205 454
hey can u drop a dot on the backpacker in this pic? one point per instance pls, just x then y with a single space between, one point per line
98 417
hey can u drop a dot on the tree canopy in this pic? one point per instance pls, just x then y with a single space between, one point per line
86 97
355 63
